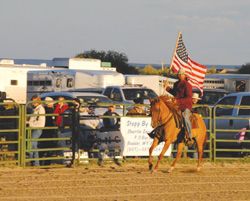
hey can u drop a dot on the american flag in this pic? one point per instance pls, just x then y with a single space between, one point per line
194 71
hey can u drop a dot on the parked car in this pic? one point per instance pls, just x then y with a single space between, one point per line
211 96
232 118
95 101
128 93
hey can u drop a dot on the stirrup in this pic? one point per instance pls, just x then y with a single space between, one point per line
189 142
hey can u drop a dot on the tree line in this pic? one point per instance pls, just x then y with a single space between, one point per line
120 61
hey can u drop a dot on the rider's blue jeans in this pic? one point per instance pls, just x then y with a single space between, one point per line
186 115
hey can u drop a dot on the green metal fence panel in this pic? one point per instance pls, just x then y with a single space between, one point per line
25 139
226 144
10 123
54 156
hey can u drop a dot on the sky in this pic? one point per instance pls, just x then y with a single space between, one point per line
214 31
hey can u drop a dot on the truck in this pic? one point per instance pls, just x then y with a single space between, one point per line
126 94
232 118
154 82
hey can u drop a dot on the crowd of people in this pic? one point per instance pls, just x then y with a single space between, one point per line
46 119
51 115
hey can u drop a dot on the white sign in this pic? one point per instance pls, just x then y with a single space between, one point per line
136 140
132 139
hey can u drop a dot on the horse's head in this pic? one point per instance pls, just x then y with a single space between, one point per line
160 110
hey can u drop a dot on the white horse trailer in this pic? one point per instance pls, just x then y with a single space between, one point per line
22 82
93 80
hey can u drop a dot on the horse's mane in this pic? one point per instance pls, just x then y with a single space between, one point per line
169 102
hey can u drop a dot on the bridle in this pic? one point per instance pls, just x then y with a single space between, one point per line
159 121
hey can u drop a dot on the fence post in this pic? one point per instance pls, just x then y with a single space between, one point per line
22 137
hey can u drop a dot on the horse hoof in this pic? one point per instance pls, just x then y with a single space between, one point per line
150 167
170 169
154 171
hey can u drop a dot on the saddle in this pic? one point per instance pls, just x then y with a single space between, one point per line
158 132
194 121
178 119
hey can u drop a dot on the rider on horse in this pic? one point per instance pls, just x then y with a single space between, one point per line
182 91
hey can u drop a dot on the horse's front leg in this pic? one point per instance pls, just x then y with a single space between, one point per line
164 149
151 149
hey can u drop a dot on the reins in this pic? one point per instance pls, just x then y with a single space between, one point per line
168 119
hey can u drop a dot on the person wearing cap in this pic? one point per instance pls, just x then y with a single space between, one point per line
203 111
112 122
48 133
182 91
36 121
195 98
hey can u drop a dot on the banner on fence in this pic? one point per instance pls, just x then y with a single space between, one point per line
132 138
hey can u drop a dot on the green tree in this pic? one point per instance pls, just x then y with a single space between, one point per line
245 69
149 70
212 70
118 60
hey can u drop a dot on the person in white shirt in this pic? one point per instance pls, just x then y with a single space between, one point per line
36 121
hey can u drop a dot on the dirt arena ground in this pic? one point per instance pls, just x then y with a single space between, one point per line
131 181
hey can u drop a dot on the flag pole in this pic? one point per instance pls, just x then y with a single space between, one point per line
174 50
170 68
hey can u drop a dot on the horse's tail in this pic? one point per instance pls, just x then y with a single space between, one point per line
203 129
205 133
205 138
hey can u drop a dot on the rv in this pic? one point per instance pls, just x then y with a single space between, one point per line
93 80
22 82
231 82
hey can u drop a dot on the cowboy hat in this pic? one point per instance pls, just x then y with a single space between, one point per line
196 96
181 71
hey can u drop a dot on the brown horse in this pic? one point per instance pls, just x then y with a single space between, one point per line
162 111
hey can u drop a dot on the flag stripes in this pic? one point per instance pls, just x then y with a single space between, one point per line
195 72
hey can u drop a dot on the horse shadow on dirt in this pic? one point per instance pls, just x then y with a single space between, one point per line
187 171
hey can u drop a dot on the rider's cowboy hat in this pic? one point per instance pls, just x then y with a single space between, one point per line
181 71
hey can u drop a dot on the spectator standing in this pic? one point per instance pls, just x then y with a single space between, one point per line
195 98
36 121
202 110
61 107
75 127
48 133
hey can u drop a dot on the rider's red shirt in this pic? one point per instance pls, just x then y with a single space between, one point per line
182 91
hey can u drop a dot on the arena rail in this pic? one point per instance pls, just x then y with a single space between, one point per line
56 157
10 130
230 132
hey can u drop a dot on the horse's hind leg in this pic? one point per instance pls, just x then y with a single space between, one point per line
151 149
164 149
200 149
178 156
